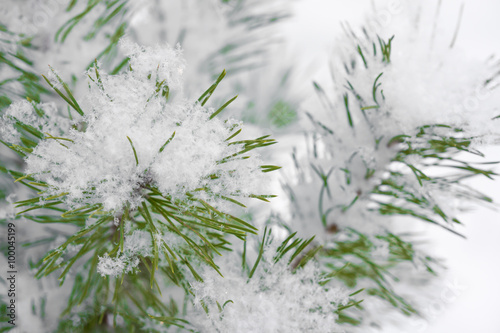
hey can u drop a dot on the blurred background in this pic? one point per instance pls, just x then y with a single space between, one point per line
470 302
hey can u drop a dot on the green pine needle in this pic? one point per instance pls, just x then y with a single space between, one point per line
135 153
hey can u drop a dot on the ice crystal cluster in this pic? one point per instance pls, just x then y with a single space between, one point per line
136 130
44 117
139 243
274 300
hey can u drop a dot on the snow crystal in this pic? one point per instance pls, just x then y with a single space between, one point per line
110 266
163 64
138 243
128 119
273 300
24 112
54 78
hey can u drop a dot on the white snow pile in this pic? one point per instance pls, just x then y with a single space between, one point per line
273 300
112 152
137 244
46 121
428 78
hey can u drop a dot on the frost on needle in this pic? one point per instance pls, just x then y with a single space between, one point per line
133 131
136 163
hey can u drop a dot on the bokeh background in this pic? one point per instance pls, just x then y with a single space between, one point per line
469 304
